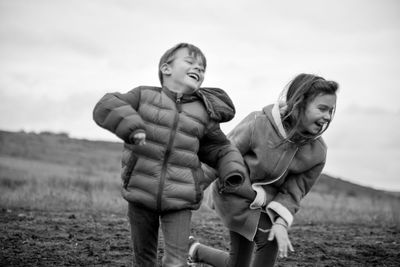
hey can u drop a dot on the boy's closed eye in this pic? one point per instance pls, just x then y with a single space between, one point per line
191 61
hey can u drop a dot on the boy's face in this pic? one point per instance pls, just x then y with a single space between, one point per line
185 73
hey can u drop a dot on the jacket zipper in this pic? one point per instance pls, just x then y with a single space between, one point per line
283 173
178 102
168 151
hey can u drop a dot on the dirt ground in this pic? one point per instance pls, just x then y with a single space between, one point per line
65 238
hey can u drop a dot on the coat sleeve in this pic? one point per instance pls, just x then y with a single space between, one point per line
242 134
117 113
287 201
218 152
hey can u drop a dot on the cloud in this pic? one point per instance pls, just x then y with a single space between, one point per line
60 57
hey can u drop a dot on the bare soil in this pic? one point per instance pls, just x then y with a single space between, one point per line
67 238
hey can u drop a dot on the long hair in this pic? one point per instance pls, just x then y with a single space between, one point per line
168 56
298 94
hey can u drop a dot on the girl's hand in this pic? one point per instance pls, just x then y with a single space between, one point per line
139 139
279 231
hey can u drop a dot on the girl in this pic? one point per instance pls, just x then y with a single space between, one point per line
284 154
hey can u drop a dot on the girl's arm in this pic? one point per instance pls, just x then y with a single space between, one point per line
287 202
117 113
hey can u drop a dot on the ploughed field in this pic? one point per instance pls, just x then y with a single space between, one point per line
87 238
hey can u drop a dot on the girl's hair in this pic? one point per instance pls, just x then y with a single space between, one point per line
299 93
168 56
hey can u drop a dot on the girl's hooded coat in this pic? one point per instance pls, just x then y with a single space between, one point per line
280 173
182 130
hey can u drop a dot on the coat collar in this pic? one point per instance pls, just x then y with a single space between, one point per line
277 110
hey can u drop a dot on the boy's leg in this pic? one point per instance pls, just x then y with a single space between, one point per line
176 229
266 251
144 232
240 253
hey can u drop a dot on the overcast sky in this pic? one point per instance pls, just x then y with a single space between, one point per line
58 57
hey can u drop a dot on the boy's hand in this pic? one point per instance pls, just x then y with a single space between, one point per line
139 139
279 231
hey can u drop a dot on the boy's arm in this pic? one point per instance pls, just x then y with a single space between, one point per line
117 113
218 152
287 202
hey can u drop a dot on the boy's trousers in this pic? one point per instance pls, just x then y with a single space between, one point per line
175 228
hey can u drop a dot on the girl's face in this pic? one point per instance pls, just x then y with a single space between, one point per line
318 113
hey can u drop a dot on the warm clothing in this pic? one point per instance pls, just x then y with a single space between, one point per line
242 252
175 229
182 130
281 173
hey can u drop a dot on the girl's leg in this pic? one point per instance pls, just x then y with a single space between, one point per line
211 256
239 255
266 251
144 231
176 229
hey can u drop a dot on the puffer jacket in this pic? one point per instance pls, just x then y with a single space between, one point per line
182 131
280 173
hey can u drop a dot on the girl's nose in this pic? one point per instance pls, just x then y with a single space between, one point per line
327 116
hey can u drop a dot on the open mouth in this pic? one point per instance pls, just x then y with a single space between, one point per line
320 124
194 76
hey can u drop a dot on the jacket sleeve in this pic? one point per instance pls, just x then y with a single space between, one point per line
287 201
242 134
117 113
218 152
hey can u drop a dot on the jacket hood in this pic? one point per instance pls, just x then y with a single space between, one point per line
218 104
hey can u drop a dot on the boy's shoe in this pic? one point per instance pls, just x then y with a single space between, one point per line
192 255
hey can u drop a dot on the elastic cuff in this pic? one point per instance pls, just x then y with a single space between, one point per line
231 182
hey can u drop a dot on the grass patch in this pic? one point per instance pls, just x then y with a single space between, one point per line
53 172
43 185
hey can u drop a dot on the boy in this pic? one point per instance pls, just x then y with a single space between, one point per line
167 133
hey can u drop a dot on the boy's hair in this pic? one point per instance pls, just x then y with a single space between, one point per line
168 56
300 92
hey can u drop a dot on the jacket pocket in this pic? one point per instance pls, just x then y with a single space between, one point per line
198 177
128 169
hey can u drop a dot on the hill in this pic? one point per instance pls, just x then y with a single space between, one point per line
59 148
35 167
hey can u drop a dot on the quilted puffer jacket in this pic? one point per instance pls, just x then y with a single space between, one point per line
182 131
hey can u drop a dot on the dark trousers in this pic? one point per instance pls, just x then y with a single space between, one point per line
175 228
243 253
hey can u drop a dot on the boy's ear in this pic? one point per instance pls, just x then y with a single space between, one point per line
165 69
